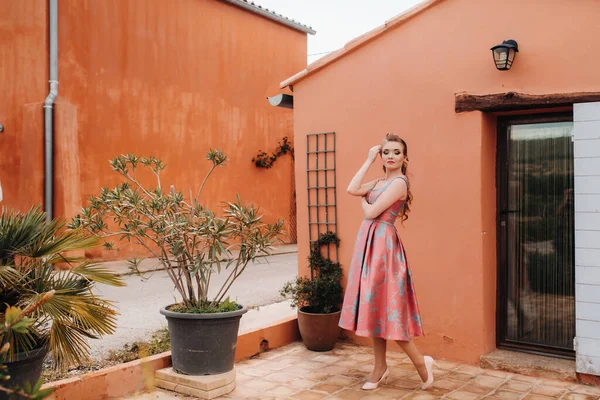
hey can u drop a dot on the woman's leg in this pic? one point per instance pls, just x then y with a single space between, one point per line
379 350
415 356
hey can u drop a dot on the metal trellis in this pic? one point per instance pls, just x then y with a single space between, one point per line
321 184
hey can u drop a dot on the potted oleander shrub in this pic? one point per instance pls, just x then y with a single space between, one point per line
48 309
192 243
318 298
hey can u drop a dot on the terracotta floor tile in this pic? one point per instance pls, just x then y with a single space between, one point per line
392 392
579 396
392 363
341 380
302 383
355 374
406 365
272 354
364 367
448 384
327 359
477 389
347 363
488 381
555 384
259 385
396 373
394 355
508 395
334 369
242 377
256 371
546 390
584 389
276 365
459 376
281 391
404 384
251 362
327 387
280 377
347 394
436 391
311 365
295 370
318 376
242 393
459 395
524 378
517 386
470 370
308 395
421 396
498 374
362 357
292 359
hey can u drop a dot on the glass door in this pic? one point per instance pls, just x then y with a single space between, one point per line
536 285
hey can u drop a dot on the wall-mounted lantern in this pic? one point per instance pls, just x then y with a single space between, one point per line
504 54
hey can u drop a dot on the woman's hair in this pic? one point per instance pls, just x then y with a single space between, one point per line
392 137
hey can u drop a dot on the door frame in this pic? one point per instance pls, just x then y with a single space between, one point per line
501 233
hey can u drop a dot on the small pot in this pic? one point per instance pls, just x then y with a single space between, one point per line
203 344
27 367
319 332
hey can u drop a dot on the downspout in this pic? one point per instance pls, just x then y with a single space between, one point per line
48 112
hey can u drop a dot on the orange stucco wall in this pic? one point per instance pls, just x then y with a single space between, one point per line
404 81
149 77
24 77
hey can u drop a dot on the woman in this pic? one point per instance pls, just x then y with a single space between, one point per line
380 300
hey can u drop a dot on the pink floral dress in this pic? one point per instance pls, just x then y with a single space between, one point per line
380 299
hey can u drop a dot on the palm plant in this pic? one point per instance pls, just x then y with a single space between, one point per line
30 248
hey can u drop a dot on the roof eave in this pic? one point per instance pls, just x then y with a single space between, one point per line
272 16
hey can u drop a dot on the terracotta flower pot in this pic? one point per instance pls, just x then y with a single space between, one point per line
319 332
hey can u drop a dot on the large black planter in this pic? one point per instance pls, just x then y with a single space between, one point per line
27 367
203 344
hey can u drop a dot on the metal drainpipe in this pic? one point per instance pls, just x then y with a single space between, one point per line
48 112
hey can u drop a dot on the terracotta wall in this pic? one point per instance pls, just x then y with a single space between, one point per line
404 81
149 77
24 77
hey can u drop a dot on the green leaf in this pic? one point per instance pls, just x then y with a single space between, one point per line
12 314
38 385
23 325
43 393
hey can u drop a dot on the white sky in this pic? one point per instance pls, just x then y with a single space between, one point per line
337 21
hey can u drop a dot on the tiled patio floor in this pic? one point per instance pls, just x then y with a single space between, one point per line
293 372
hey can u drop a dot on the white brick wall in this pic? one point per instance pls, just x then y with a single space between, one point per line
587 236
